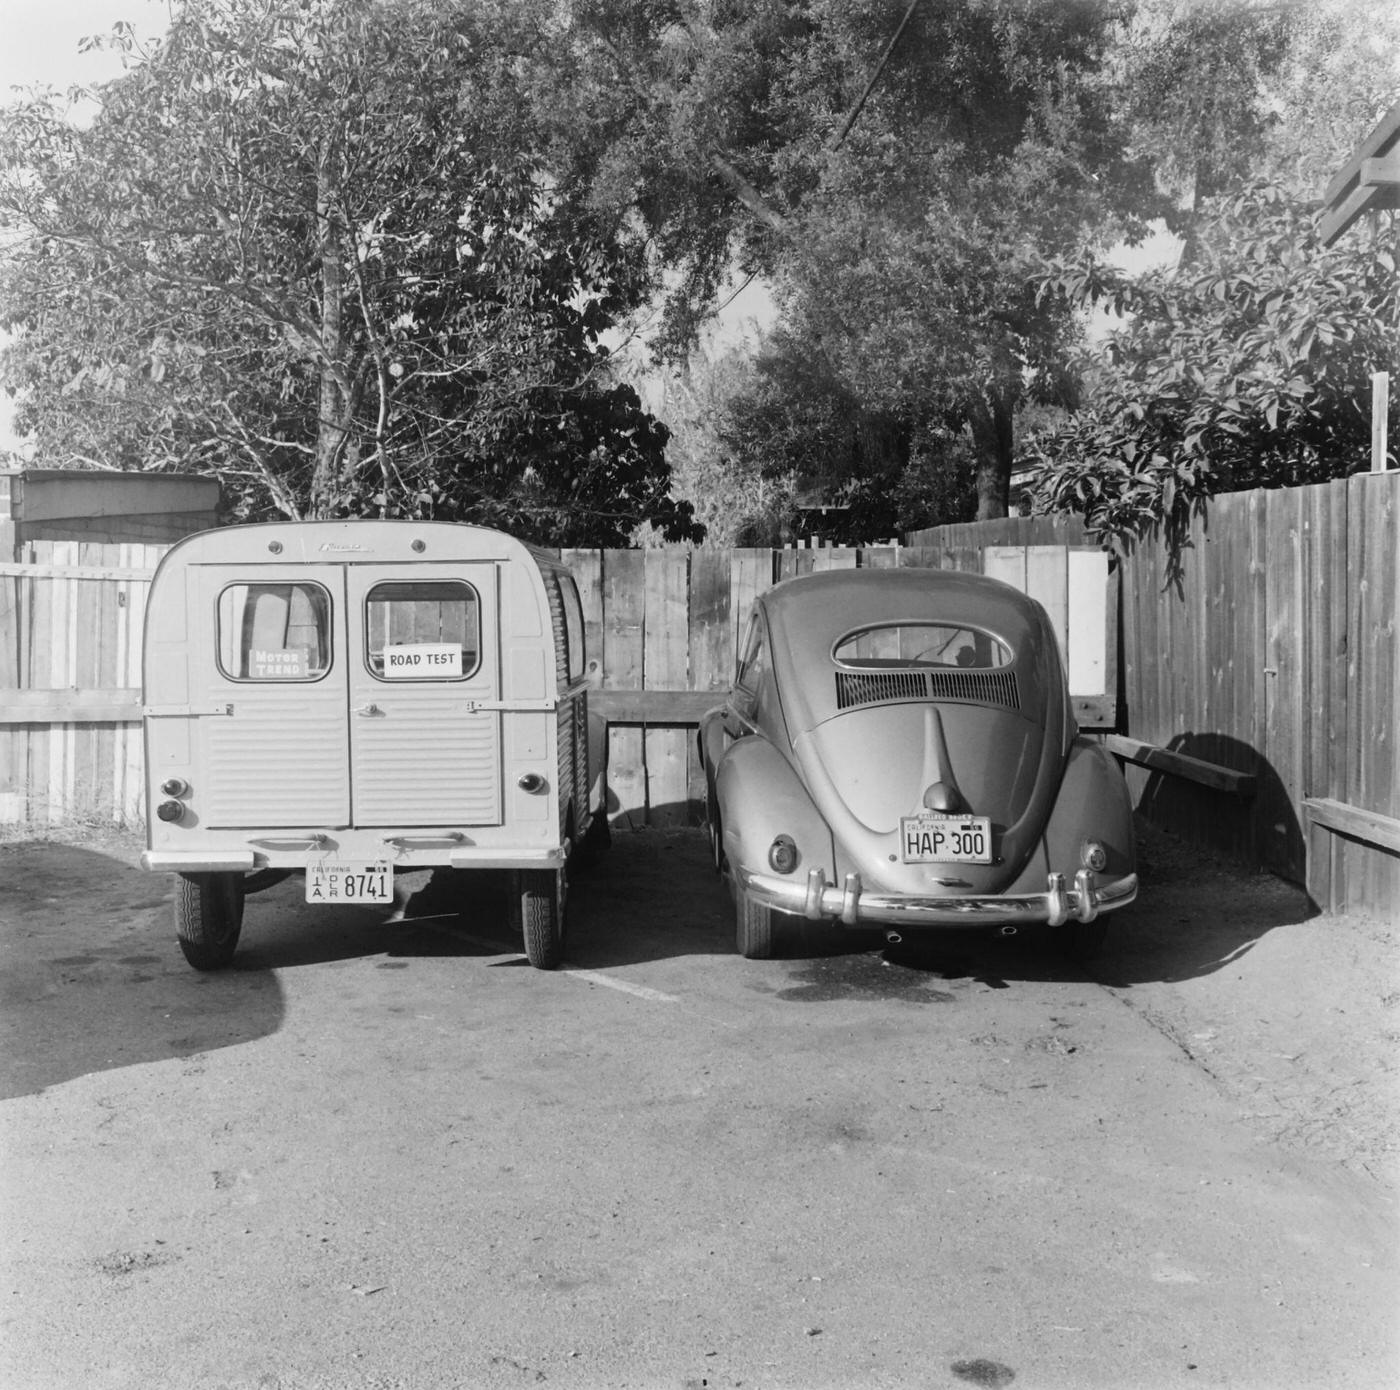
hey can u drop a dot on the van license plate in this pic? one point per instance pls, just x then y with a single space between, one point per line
349 881
946 839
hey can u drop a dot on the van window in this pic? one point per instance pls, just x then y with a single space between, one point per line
274 632
573 625
423 630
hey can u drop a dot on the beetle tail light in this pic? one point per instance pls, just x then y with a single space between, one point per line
783 855
1093 856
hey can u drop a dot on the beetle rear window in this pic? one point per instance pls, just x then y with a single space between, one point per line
921 646
274 632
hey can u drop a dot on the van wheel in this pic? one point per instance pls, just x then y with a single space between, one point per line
209 917
539 901
755 931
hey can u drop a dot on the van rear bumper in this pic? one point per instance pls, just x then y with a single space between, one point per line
211 861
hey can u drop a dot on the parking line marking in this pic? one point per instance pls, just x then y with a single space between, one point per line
596 977
593 977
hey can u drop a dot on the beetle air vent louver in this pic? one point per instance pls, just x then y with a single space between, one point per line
975 687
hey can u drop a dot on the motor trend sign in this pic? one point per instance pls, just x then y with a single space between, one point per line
423 661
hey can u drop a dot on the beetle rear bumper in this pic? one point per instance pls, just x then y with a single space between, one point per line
849 903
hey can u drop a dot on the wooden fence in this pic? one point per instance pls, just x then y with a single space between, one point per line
656 621
1276 662
1279 656
1263 690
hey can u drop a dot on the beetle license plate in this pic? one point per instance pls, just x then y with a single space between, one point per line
946 839
349 881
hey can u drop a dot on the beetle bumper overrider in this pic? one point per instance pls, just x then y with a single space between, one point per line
849 903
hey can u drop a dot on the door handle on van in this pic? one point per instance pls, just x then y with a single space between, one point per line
368 710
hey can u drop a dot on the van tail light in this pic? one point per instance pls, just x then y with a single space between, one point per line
170 810
175 786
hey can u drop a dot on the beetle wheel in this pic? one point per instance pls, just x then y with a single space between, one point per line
755 931
539 900
209 917
713 827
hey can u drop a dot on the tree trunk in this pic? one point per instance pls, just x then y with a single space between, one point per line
992 435
331 422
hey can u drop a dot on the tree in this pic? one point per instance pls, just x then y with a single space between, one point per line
1251 371
1249 364
901 241
330 250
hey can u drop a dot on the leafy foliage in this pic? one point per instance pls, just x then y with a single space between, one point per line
1251 371
900 242
334 251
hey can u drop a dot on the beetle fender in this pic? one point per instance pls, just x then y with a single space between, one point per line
1092 804
760 798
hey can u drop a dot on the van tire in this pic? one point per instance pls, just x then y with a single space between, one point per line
539 899
209 917
755 933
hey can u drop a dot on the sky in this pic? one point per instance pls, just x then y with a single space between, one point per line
39 39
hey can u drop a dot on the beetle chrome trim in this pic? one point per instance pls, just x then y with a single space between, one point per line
849 903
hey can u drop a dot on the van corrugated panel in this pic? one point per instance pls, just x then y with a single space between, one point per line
972 687
459 784
275 763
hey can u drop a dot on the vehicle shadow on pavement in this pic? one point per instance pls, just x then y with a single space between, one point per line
1196 913
655 895
91 977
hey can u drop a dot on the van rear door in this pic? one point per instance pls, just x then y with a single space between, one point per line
424 694
270 709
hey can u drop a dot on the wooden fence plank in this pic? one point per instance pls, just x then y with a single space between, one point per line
14 743
666 666
624 608
1086 621
751 573
1007 563
711 643
1373 677
1286 713
1047 582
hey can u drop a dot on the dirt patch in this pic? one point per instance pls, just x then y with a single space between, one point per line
1295 1014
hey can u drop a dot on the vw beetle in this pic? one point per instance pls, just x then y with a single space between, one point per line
898 749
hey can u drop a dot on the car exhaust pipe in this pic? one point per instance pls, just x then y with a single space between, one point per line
1008 930
893 938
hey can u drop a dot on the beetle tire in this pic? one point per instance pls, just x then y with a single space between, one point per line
540 898
209 917
712 824
755 929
